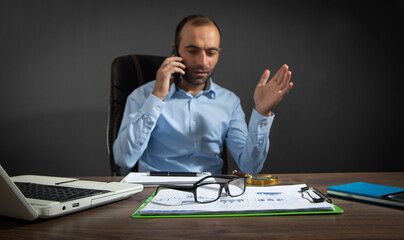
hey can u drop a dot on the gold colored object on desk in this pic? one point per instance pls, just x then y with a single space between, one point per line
258 179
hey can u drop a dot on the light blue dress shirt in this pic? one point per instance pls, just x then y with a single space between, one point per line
186 133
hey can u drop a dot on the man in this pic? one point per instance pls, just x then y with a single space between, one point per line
181 125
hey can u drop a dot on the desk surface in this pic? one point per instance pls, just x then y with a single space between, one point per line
359 221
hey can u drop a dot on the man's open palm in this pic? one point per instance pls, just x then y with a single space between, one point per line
268 94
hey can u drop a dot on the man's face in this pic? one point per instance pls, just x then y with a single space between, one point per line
199 49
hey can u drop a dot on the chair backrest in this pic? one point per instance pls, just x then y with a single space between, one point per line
127 73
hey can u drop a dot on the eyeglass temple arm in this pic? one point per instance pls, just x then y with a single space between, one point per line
218 176
176 187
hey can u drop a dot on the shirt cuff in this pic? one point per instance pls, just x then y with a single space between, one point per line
152 106
261 123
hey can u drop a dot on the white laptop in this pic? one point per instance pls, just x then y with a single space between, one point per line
14 204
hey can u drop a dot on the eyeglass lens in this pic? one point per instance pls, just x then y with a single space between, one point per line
208 192
236 187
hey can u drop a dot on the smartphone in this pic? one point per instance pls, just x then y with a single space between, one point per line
177 76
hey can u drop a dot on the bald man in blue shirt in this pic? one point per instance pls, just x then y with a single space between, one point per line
181 125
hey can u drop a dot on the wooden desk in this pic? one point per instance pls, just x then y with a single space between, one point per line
360 220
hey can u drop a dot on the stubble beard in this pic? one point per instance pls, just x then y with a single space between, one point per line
195 80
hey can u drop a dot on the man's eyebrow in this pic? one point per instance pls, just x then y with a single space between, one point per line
194 46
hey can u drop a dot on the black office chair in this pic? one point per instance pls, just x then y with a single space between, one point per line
127 73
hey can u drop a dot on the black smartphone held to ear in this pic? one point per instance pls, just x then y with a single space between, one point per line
177 76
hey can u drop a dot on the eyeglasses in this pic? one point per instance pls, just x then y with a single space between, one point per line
210 188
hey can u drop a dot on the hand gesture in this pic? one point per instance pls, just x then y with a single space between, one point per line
164 79
268 94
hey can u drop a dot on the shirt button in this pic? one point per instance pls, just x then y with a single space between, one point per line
145 130
158 109
193 122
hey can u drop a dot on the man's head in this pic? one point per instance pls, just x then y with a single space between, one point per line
197 39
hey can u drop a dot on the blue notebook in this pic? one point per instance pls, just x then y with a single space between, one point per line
370 192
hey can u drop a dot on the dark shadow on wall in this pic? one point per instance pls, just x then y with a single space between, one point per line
69 143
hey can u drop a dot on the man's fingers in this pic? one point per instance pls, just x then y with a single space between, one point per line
172 60
179 70
283 82
275 78
176 65
264 77
173 65
286 89
280 74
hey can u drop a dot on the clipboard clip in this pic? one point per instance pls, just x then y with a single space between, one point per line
315 195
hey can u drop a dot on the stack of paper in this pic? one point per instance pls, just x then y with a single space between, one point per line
254 200
153 181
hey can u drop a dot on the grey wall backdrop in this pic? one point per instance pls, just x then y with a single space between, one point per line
343 114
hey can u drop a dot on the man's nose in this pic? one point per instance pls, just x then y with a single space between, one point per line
202 59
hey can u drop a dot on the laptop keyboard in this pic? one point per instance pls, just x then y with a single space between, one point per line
55 193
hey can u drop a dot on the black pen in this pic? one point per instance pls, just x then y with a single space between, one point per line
172 174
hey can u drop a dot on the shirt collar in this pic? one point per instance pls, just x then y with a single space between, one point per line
208 91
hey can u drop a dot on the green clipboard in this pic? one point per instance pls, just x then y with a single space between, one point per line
136 214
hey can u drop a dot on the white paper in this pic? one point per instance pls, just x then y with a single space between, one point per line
255 199
149 181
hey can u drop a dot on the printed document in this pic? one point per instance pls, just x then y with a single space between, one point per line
255 199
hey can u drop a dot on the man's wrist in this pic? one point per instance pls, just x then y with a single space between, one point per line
159 96
265 114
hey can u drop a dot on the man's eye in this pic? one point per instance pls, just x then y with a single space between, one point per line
211 53
193 51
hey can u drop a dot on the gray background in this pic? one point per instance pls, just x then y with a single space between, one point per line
343 114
